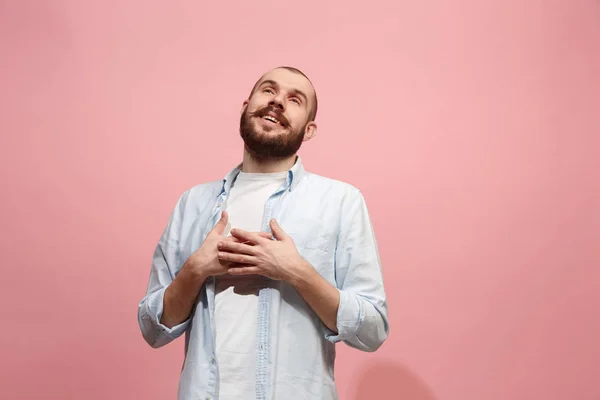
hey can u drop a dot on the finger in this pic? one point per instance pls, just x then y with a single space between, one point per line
230 265
266 235
244 271
278 232
222 223
238 248
236 258
246 236
231 239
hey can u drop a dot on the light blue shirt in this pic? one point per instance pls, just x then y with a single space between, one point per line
330 225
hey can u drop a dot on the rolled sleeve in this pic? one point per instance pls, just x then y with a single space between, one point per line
155 333
362 320
165 263
348 318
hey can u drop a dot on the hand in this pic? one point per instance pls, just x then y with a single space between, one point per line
204 262
278 260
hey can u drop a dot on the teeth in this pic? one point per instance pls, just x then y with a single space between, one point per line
272 119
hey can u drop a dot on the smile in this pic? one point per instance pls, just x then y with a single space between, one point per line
272 119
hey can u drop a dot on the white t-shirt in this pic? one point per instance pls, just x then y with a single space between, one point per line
236 301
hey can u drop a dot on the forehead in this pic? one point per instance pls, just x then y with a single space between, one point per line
288 80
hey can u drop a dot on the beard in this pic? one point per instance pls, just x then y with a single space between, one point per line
267 147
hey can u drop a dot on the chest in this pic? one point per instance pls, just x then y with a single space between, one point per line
311 221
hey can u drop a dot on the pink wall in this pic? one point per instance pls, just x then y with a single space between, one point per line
471 127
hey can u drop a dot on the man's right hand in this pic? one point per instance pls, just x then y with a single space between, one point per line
181 293
204 261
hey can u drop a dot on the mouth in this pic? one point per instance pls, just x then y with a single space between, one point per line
272 119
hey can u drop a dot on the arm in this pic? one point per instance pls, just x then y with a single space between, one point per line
279 260
356 310
320 295
165 263
164 313
362 320
180 297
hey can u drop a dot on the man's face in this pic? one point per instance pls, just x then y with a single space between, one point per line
274 121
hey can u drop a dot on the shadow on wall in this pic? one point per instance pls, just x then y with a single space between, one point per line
391 381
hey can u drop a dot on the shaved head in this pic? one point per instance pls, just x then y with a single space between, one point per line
313 95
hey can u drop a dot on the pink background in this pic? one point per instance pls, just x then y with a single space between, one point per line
471 126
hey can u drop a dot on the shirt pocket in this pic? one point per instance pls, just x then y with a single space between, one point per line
313 244
308 233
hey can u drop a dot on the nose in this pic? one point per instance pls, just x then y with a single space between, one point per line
277 101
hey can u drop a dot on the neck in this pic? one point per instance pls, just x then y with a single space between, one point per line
251 164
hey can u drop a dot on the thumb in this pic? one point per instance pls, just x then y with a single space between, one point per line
278 232
222 223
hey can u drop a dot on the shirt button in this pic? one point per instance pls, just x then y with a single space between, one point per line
212 360
207 397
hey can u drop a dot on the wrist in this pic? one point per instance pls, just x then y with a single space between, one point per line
193 274
302 275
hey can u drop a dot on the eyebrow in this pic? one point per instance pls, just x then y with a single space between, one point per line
293 91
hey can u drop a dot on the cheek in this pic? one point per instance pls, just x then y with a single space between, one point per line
253 106
298 123
258 101
296 118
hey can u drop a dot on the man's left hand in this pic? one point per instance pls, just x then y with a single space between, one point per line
275 259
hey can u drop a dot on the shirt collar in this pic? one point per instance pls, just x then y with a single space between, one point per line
294 176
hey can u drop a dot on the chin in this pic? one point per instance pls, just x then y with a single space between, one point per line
269 130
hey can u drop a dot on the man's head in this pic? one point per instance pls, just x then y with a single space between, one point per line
279 114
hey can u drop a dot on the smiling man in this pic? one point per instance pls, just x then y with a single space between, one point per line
267 269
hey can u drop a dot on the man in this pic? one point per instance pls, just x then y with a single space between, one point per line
266 269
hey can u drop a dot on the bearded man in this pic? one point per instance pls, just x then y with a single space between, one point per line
267 269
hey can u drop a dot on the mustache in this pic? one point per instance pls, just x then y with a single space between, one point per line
270 109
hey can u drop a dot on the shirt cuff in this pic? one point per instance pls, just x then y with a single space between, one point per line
155 311
349 316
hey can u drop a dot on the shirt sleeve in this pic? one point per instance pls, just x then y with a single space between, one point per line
165 262
362 320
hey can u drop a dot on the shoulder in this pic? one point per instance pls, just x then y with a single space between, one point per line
200 192
205 188
332 186
333 194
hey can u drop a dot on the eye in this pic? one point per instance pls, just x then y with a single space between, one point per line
268 90
295 100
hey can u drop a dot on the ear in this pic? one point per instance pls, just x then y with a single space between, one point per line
244 106
310 131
